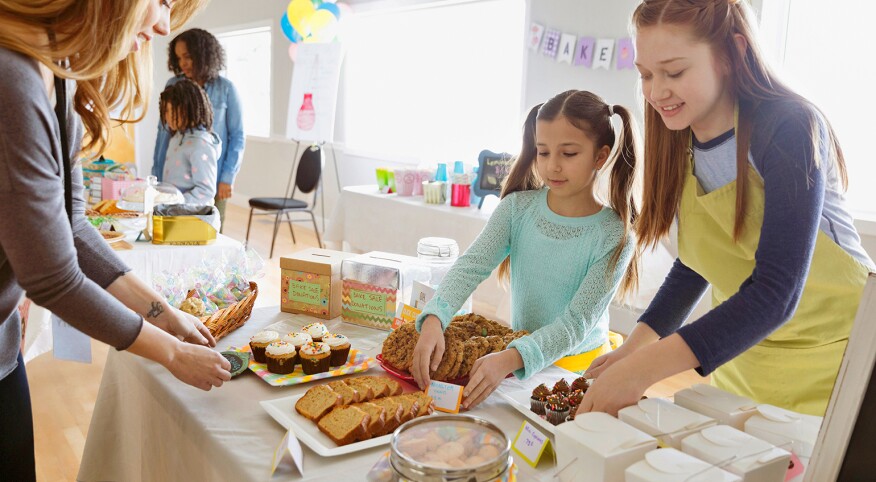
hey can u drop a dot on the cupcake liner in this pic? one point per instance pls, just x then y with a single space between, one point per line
537 405
340 356
556 417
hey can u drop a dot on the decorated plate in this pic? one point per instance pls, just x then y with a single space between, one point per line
356 363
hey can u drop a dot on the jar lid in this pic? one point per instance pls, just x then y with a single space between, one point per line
438 247
450 447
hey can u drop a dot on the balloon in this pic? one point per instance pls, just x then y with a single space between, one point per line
323 26
288 31
293 52
298 12
331 7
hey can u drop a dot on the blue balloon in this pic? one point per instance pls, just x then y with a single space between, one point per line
331 7
288 30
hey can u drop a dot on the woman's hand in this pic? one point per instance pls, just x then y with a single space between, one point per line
186 327
617 387
199 366
487 373
428 352
224 191
641 336
601 363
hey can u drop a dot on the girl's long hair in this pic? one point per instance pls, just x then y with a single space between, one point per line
589 113
715 22
191 107
91 35
207 54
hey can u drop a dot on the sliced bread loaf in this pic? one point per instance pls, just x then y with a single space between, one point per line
377 414
424 403
366 392
317 401
345 425
377 384
410 407
395 388
348 393
393 415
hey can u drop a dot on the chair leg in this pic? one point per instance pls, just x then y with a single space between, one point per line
248 225
274 238
289 220
316 230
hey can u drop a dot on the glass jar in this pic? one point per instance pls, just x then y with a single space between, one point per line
439 255
445 448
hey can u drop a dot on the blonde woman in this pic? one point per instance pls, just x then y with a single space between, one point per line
65 65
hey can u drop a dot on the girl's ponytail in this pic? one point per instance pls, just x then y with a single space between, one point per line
621 181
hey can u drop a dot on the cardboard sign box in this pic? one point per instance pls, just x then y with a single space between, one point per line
310 282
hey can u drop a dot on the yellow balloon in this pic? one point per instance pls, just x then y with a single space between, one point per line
323 25
299 12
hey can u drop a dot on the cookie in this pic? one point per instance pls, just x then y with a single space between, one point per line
451 359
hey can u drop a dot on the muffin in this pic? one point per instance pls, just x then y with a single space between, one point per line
340 348
259 342
556 409
539 397
574 399
314 358
580 383
297 339
281 357
561 387
316 331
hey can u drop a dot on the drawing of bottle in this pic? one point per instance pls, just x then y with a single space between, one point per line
306 114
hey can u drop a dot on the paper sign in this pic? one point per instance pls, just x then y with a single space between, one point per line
602 53
69 343
409 313
551 43
626 54
584 51
795 468
289 445
445 396
368 302
567 48
535 33
304 292
530 444
421 294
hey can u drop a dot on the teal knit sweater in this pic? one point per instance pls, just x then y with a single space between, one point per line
561 278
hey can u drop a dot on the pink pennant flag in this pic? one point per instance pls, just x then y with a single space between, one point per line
584 51
626 54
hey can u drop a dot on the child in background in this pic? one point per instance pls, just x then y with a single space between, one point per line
566 251
190 164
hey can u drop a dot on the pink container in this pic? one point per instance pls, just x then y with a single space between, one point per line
460 195
111 189
422 175
405 182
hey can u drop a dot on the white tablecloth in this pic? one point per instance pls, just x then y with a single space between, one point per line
145 261
147 426
366 220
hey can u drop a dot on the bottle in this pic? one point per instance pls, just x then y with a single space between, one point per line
306 114
439 254
475 199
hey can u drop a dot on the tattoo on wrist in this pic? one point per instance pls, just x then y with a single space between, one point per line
155 309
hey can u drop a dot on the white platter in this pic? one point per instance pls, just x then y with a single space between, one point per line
283 411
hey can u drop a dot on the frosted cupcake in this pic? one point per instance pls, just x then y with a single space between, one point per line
340 347
316 331
314 358
260 341
557 409
281 357
297 339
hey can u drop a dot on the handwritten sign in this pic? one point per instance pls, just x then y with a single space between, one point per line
304 292
445 396
493 169
368 302
289 445
530 444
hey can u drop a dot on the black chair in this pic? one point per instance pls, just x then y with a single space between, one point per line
307 181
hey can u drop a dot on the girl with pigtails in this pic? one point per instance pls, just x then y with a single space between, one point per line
567 252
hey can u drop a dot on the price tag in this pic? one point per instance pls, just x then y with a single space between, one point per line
445 396
289 445
530 444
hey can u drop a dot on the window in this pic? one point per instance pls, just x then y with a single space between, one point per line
248 67
435 83
830 66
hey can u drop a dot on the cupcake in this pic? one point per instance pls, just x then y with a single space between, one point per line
316 331
297 339
561 387
539 397
281 357
340 347
314 358
580 383
574 399
259 342
556 409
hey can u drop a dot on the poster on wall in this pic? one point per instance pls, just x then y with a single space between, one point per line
313 95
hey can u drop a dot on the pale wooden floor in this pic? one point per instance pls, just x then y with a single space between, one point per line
63 393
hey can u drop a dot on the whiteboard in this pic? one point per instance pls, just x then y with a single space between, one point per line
314 85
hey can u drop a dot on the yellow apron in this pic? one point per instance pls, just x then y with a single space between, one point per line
795 366
581 362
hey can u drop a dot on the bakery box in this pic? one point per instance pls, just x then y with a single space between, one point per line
310 282
671 465
600 446
725 407
665 421
184 224
373 284
793 431
735 451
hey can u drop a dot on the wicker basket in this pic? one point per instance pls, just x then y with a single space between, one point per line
232 317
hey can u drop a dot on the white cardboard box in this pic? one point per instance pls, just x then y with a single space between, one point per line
725 407
789 430
665 421
600 446
735 451
671 465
